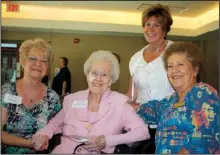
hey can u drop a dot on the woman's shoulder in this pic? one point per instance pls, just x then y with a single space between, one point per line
203 91
119 101
116 96
206 87
77 96
82 94
135 59
137 54
51 93
8 87
113 96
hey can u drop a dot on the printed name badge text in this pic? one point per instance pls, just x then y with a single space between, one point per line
13 99
80 104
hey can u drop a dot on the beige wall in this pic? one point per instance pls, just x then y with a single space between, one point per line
62 45
124 46
211 62
21 36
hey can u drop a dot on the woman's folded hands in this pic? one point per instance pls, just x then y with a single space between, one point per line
40 142
95 144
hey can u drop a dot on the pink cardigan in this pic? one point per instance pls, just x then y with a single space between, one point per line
114 114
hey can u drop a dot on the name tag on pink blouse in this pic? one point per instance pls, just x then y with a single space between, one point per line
80 104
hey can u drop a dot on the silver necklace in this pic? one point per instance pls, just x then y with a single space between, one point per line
157 49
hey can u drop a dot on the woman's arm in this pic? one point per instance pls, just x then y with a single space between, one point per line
151 112
64 88
55 125
129 93
132 96
10 139
136 129
53 109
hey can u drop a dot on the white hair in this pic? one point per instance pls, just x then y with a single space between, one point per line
103 55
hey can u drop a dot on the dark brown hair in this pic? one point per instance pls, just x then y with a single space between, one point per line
65 60
162 13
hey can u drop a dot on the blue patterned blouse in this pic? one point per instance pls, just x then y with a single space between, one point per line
192 125
23 121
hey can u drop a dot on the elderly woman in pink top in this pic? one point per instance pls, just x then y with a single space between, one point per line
95 117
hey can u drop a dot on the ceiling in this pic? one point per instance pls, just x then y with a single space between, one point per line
178 8
182 11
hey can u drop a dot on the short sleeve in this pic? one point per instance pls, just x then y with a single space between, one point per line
66 74
3 103
133 63
6 88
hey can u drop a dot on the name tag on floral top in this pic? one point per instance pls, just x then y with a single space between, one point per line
13 99
80 104
179 104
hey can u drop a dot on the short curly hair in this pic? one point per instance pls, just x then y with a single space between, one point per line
161 12
103 55
192 52
38 43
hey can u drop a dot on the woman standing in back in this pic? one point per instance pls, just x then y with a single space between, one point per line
148 79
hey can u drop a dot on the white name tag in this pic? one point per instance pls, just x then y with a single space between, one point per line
80 104
153 126
12 99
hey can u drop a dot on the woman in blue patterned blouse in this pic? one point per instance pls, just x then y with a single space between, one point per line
27 104
188 120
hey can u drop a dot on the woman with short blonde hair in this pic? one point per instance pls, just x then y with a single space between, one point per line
27 104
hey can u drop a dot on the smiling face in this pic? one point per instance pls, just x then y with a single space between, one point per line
99 78
153 30
180 72
36 64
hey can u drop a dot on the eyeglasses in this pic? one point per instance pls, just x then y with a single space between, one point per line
35 59
103 75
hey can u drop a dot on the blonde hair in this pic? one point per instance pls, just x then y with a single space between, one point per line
38 43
